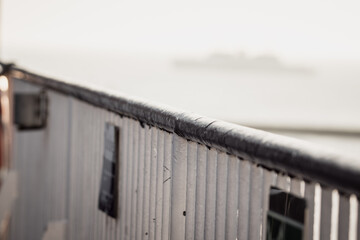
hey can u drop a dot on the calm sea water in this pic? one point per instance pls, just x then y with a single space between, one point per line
327 99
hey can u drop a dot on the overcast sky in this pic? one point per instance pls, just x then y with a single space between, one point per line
291 29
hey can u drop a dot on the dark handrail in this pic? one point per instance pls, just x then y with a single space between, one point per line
293 157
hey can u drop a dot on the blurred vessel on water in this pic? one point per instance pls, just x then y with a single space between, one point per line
241 61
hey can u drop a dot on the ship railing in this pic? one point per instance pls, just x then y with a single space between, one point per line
107 166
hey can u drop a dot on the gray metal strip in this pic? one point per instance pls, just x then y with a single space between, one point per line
221 195
140 188
146 209
153 178
255 218
210 200
134 179
309 212
325 219
129 189
167 183
124 153
178 193
159 184
191 190
244 200
232 198
200 204
344 217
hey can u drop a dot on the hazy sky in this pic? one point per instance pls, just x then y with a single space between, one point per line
300 29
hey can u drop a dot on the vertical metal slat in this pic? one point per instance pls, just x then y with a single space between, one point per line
178 199
200 191
159 185
232 198
325 216
191 190
146 210
134 181
244 200
153 173
167 183
344 217
140 195
255 202
221 187
210 204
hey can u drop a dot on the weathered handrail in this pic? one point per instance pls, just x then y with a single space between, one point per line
292 157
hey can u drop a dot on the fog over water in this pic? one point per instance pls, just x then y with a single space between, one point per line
132 47
326 98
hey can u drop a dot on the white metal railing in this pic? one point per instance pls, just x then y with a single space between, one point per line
171 186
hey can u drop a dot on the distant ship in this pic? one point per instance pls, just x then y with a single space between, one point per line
262 63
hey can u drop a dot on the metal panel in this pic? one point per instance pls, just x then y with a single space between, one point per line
354 228
29 164
56 155
210 200
344 217
191 190
325 217
283 182
124 142
75 217
167 183
95 172
140 187
295 158
153 173
244 200
232 198
145 229
129 187
42 166
85 148
334 228
200 192
85 220
55 230
296 187
159 185
221 187
113 222
72 174
169 187
310 211
8 195
256 191
89 156
134 178
178 193
100 217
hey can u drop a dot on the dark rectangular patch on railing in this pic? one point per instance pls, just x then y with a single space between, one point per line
30 110
285 218
109 177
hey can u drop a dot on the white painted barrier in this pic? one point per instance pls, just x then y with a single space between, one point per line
170 187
